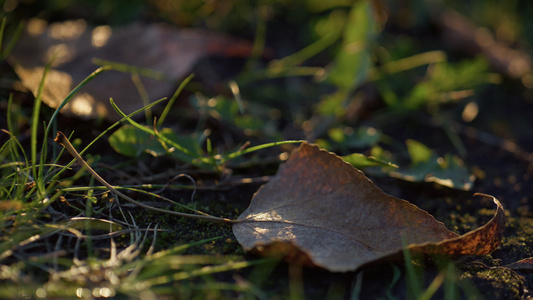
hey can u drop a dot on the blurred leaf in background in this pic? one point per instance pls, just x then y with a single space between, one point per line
346 138
427 166
442 83
354 59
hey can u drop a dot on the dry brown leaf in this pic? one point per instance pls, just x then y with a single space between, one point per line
525 264
168 50
319 209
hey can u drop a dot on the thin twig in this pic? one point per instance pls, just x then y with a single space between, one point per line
62 139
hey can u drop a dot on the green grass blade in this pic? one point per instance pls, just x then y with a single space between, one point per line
258 46
408 63
14 154
63 103
414 289
272 73
73 92
125 68
172 100
104 133
138 190
306 53
207 270
3 147
141 89
152 132
259 147
21 171
9 116
37 172
7 49
433 287
2 29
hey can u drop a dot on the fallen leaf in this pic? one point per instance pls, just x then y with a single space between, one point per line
320 210
525 264
161 53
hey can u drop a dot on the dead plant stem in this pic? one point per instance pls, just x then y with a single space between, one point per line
62 139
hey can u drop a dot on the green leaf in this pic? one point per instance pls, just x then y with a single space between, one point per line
426 166
191 157
132 142
447 82
354 60
418 152
452 173
225 109
332 104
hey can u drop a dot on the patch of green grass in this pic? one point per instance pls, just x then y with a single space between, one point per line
83 257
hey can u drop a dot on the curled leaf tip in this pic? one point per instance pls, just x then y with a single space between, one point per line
60 137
